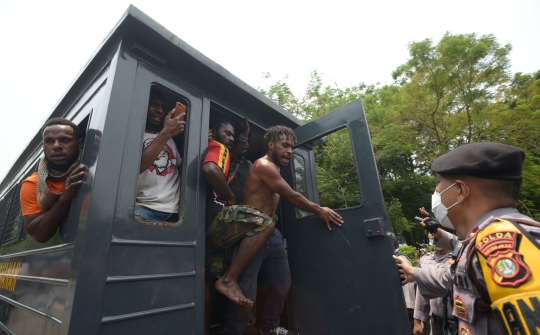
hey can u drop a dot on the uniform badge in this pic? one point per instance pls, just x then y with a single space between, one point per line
464 330
459 306
501 252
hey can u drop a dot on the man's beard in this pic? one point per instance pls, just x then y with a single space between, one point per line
64 167
275 158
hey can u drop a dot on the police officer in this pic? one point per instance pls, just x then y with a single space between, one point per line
441 258
494 285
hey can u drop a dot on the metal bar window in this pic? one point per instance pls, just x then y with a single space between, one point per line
5 206
14 223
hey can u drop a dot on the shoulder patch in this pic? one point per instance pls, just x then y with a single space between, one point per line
464 330
459 306
500 251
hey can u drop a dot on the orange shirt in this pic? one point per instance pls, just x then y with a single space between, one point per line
218 154
29 202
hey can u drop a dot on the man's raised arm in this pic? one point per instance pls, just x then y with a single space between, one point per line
172 126
269 174
43 226
242 139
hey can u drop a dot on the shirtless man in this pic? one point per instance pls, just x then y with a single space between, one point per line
252 222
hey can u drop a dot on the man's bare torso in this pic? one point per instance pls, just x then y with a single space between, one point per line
256 192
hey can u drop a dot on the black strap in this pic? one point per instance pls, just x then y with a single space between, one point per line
449 294
484 303
440 320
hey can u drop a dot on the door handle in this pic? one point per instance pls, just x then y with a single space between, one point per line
374 227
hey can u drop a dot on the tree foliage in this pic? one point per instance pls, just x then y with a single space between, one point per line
447 94
411 253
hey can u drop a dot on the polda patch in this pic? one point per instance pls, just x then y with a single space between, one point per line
459 306
507 265
464 330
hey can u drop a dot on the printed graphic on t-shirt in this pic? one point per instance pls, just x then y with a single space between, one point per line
165 163
218 199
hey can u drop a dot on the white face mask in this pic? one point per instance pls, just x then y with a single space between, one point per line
430 242
440 211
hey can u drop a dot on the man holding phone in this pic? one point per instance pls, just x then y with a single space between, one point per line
158 190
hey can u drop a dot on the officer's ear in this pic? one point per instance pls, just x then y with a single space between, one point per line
464 190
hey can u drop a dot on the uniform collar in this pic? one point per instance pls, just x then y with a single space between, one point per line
494 213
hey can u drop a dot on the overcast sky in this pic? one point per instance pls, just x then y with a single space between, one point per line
44 44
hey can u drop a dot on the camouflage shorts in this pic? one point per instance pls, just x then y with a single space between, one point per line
231 225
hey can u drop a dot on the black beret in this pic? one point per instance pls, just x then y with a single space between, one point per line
484 160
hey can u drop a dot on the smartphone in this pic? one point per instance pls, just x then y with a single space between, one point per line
179 109
419 219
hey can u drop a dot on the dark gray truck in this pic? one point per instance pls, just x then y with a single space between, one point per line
104 272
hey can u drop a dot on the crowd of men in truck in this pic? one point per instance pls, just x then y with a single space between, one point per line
488 285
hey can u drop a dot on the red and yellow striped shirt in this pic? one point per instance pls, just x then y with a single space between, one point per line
218 154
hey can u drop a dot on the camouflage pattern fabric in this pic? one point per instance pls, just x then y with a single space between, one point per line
231 225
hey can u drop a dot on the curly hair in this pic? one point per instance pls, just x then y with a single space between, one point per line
156 93
217 121
275 133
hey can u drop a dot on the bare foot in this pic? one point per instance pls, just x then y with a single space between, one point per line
231 290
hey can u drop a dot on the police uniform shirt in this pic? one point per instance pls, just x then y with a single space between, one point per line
432 282
423 305
446 241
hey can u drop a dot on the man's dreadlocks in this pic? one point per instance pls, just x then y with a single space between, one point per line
275 133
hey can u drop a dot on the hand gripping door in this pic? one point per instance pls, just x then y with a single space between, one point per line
344 281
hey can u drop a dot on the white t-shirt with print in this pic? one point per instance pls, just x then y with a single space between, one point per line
159 185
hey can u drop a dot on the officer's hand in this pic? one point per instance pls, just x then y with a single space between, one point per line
73 182
418 329
430 224
326 214
406 271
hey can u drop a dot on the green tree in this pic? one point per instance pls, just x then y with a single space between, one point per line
514 120
447 94
336 170
281 94
446 90
411 253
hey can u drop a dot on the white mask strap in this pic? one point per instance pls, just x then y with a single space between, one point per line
446 189
457 202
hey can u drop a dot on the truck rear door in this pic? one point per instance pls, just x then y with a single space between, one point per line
344 281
